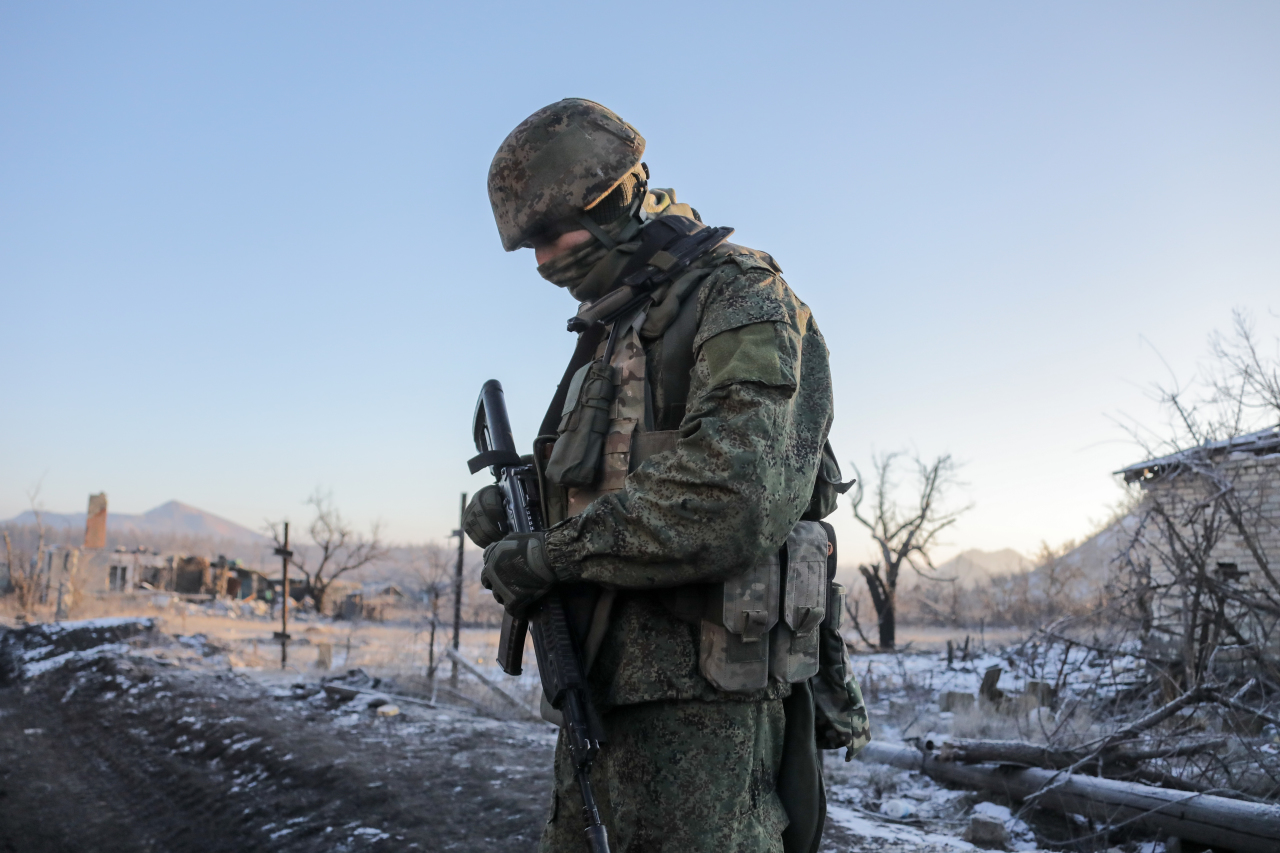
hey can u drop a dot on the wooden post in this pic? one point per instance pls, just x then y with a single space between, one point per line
457 593
435 623
284 554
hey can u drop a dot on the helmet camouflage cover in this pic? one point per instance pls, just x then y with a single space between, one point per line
557 163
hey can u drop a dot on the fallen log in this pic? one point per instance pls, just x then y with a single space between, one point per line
1217 821
1054 758
457 696
342 693
1006 752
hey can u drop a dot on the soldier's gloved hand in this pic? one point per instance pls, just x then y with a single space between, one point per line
485 518
517 571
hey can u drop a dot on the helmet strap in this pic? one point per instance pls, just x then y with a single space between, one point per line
596 231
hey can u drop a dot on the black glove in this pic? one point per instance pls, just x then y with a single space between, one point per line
485 518
517 572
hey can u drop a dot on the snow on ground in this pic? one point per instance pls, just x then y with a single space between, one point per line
248 759
871 807
1075 671
910 810
31 670
868 827
906 693
53 629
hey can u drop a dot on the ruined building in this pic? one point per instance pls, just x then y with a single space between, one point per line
1202 566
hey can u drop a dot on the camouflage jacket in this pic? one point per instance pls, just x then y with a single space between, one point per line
757 413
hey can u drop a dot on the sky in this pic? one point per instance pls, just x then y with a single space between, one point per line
246 250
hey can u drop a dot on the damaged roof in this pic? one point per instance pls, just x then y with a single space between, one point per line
1264 442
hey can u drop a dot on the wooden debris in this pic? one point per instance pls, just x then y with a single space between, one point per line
1244 827
467 665
1052 758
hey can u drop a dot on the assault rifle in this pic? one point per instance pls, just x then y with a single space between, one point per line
559 663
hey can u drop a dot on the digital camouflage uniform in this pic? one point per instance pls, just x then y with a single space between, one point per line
686 766
654 515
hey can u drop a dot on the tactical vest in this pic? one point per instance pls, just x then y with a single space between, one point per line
621 403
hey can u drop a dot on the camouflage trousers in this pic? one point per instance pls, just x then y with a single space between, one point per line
678 776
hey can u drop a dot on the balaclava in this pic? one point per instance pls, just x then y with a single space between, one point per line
590 270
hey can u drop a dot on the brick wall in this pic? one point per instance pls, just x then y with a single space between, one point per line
1189 497
1256 483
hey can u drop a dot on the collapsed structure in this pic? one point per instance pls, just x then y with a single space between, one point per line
1198 568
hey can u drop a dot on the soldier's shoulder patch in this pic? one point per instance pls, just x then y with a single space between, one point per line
741 293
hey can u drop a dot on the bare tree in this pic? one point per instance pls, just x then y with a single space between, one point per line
8 559
1191 620
904 535
1246 378
1239 392
339 548
26 571
431 569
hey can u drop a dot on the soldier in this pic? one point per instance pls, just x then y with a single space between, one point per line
678 458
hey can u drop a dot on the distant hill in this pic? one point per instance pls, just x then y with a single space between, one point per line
173 517
1094 559
973 566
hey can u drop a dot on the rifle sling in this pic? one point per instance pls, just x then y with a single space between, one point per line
496 458
686 240
677 363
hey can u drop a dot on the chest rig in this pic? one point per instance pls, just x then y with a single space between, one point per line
614 410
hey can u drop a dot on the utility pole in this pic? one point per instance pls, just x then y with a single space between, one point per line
457 593
284 553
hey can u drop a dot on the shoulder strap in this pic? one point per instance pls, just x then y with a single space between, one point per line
680 241
668 246
677 363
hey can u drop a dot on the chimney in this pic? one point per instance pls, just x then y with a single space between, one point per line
95 526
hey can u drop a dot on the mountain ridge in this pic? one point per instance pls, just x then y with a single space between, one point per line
973 566
171 517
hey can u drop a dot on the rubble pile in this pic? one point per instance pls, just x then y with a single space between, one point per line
35 649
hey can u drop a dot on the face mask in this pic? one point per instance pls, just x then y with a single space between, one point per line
571 269
591 270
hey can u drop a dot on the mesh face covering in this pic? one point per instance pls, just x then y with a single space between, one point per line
618 201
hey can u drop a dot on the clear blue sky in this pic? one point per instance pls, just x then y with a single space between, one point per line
245 248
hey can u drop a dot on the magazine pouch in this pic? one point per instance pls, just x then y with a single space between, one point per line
793 646
734 650
575 458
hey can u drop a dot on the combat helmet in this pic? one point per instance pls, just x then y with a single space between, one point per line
559 162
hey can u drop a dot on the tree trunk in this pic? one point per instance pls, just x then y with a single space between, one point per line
882 600
887 626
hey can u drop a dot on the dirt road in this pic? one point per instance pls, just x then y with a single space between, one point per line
124 753
121 740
